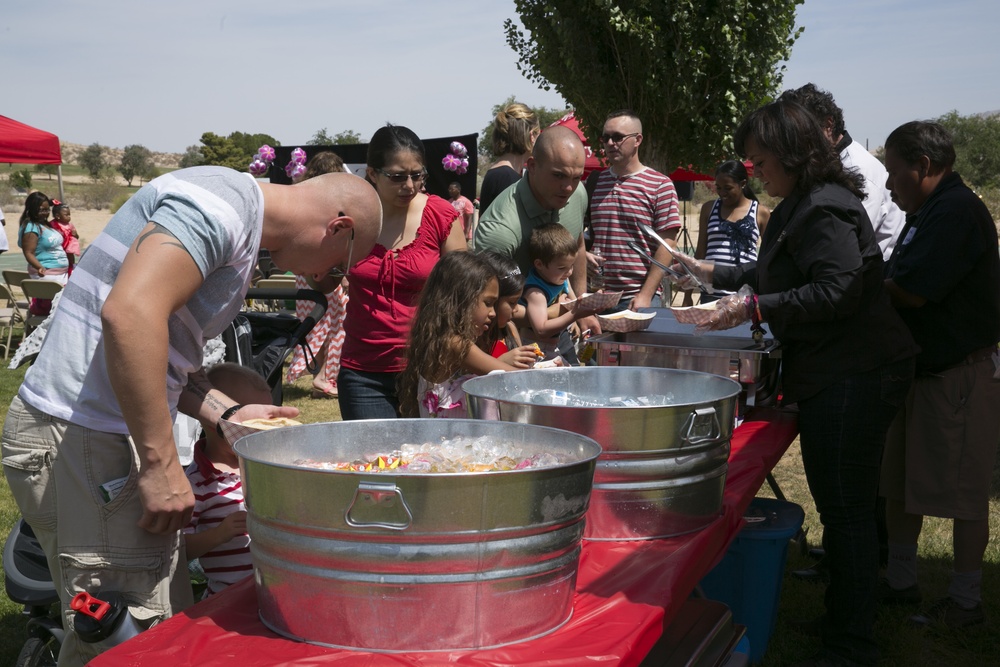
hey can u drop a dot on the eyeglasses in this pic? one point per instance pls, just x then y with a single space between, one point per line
617 138
400 178
341 271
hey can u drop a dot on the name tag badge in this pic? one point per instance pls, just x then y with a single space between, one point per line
909 235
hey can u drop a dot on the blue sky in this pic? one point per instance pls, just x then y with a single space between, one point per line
119 72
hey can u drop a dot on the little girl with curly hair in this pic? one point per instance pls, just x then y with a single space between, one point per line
457 306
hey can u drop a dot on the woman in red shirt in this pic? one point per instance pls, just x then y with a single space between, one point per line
417 230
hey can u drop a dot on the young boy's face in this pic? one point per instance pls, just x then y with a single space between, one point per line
558 270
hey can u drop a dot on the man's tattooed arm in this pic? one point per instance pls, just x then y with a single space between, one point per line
197 393
158 230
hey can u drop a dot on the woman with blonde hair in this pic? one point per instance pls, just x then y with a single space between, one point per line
515 129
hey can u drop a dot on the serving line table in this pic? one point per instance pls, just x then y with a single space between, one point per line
626 592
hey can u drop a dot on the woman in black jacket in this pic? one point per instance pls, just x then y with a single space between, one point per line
847 356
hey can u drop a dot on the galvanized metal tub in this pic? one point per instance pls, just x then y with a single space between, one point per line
413 562
662 471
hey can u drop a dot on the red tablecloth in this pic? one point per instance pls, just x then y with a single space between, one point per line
625 592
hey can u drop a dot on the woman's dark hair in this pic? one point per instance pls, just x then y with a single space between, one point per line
789 131
737 171
917 138
390 140
32 203
509 276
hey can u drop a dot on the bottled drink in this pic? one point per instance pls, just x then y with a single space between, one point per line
104 622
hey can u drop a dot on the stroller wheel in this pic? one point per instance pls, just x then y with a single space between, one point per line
39 652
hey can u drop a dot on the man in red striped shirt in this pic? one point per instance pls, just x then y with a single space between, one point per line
626 194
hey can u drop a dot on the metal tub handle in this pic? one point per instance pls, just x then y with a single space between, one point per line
701 427
377 497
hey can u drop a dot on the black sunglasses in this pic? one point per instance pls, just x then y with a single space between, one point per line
401 177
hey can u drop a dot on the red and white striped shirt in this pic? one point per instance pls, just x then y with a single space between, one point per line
218 494
618 203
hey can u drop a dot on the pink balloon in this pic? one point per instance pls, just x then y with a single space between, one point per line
266 153
258 168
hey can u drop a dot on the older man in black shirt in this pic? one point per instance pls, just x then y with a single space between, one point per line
944 278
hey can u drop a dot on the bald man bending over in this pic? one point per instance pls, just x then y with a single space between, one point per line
94 416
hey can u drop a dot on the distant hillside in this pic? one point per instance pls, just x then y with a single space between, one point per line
70 152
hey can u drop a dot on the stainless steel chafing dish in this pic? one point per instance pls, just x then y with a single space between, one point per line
668 343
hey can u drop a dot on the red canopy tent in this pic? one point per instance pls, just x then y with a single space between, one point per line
23 144
684 175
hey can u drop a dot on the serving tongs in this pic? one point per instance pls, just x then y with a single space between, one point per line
669 271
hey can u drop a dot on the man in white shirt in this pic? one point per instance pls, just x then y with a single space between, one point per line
887 219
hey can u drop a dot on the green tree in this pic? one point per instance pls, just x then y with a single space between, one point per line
136 161
977 147
21 179
546 116
690 69
346 137
235 151
92 160
192 157
49 169
321 138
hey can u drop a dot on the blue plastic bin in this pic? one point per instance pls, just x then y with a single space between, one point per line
740 656
748 578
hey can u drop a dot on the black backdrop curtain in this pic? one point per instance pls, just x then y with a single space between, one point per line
355 155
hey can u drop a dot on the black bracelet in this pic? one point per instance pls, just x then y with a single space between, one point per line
226 415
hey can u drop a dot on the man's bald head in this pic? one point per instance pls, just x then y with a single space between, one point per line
555 166
307 225
558 142
357 199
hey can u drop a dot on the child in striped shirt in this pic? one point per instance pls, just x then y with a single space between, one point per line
217 534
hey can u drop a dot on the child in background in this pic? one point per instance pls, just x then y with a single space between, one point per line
457 306
217 533
61 216
503 340
552 250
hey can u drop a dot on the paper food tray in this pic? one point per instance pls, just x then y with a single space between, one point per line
694 314
596 300
626 321
233 431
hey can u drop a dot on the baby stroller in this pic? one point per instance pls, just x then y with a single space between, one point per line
27 581
261 341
